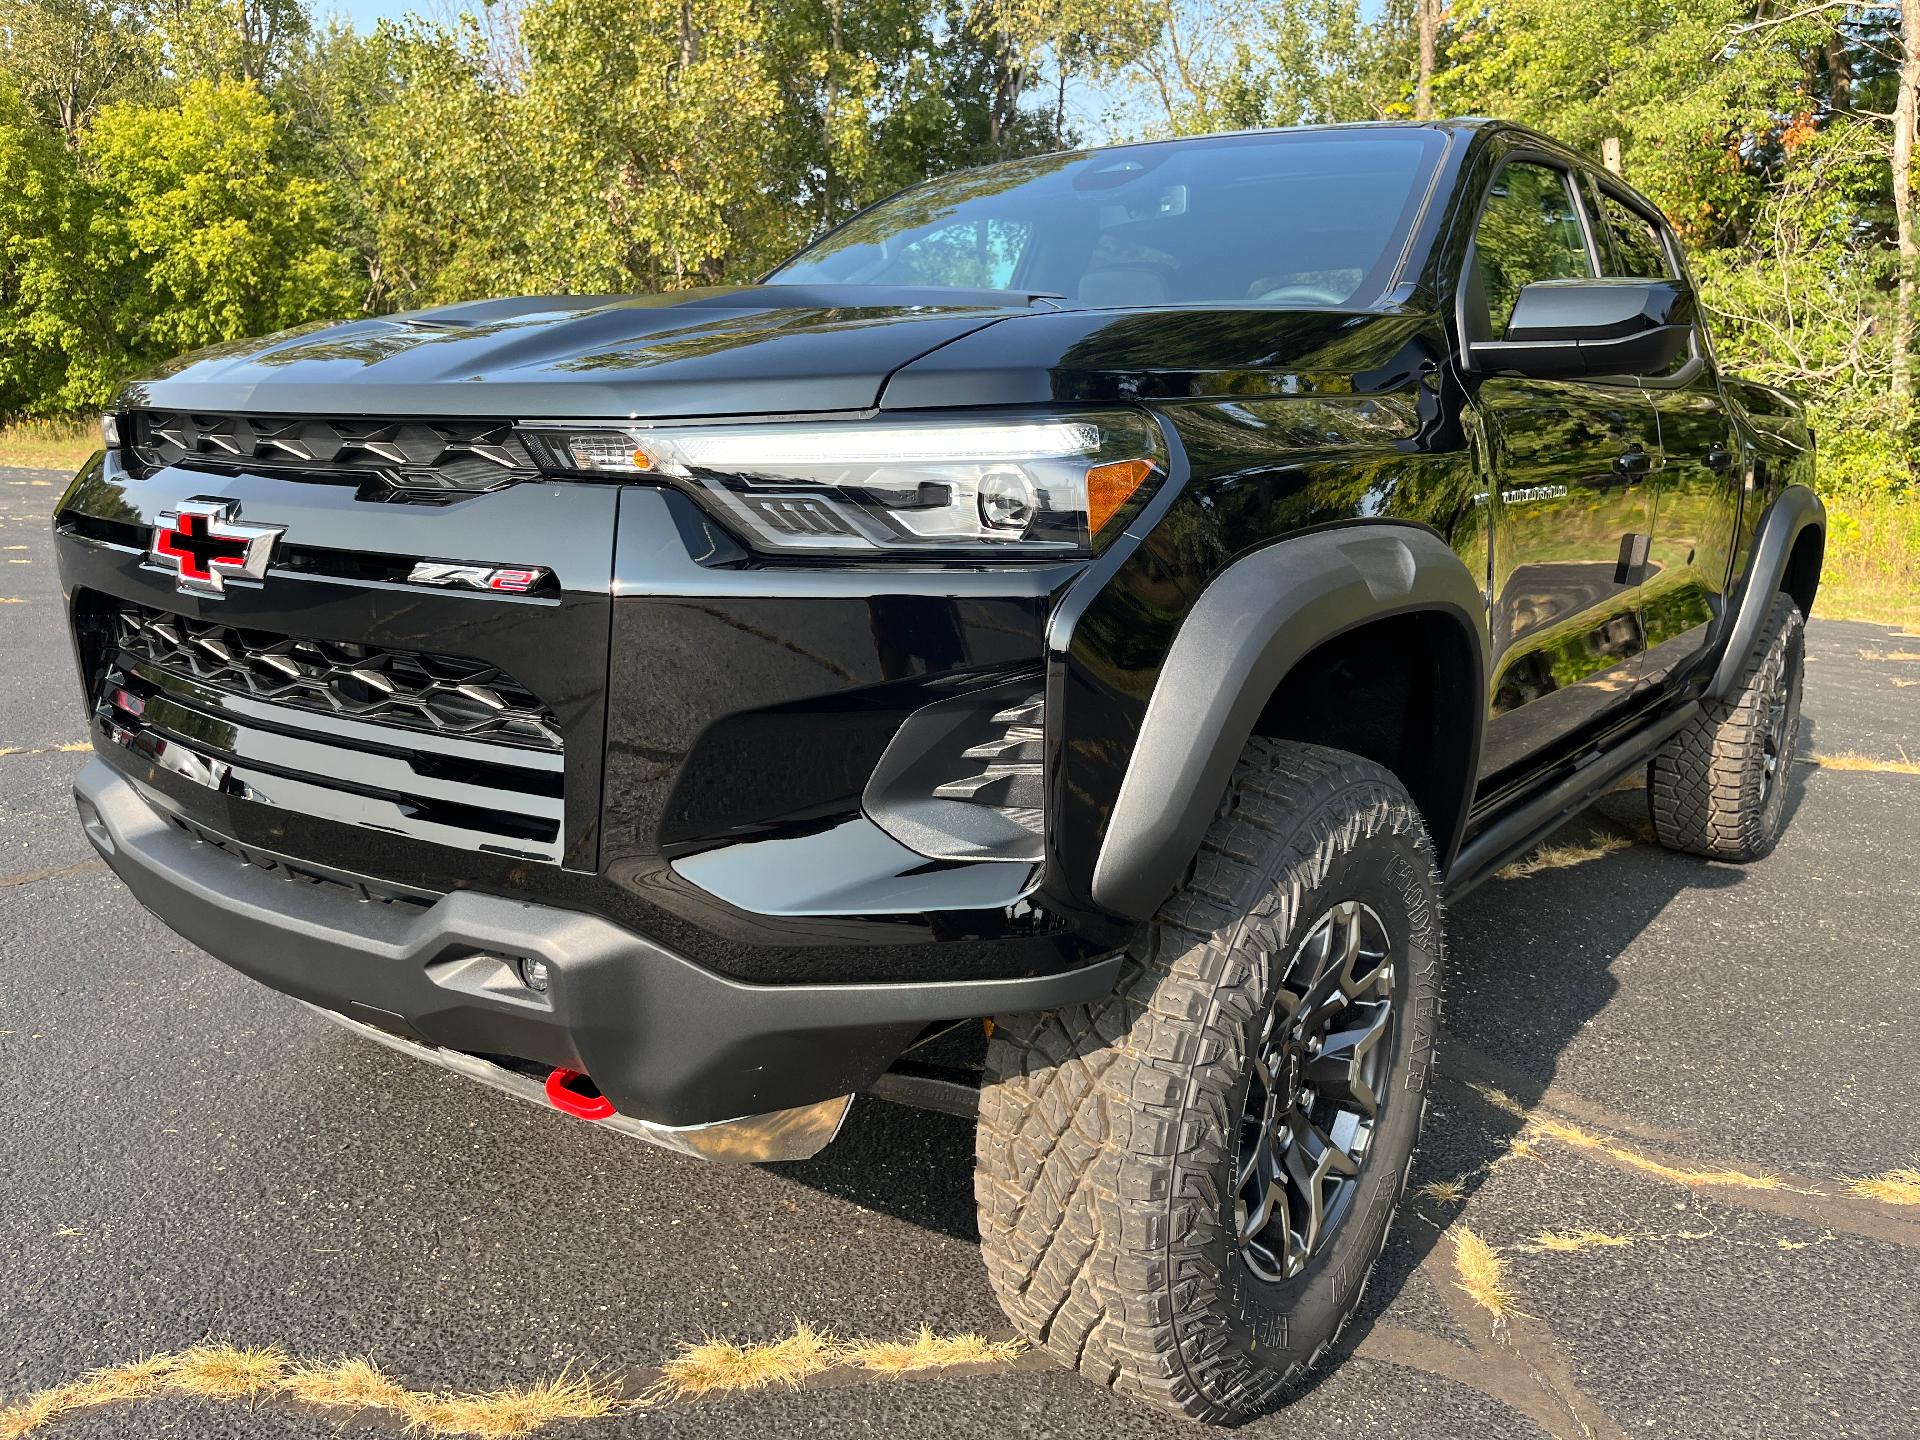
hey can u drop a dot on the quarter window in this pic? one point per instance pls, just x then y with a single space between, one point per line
1530 230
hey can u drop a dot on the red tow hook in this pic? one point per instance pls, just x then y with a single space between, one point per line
563 1093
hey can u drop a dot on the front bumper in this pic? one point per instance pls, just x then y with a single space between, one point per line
674 1046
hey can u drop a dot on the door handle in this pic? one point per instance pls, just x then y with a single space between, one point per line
1635 464
1718 458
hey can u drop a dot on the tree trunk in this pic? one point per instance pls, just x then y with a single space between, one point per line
1903 128
1429 11
1839 75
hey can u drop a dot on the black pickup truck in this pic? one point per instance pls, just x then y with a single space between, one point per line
1050 650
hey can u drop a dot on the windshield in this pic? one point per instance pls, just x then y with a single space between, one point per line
1304 217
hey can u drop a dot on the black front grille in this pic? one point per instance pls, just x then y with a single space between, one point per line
432 747
443 694
423 456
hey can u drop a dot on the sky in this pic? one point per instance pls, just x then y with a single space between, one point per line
364 13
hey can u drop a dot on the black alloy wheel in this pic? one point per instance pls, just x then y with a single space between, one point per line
1315 1092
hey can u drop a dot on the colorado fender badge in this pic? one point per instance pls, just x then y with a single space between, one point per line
514 579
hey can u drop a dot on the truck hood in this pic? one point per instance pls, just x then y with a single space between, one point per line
736 350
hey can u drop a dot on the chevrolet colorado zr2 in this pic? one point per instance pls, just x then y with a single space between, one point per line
1049 651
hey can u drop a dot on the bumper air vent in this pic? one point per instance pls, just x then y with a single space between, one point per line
965 779
1010 776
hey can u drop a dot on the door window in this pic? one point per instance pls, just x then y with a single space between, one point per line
1530 230
1637 252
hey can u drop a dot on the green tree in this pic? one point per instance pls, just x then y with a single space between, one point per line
228 39
45 281
207 232
69 57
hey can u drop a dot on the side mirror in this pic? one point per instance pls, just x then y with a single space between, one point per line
1567 328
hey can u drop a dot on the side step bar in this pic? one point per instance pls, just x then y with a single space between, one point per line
1512 835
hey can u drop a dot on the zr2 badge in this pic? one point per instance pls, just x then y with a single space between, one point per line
514 579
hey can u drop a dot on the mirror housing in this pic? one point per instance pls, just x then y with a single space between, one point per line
1571 328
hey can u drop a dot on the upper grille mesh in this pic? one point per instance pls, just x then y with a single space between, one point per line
427 455
446 694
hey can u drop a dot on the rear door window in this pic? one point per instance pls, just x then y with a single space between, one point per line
1637 251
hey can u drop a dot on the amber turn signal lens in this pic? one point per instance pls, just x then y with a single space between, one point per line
1110 486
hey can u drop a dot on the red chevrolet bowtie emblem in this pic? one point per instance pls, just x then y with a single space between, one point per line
204 546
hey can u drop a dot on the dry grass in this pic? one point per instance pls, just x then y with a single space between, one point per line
1547 1127
1482 1274
716 1364
1542 1126
112 1385
1872 569
1521 1148
356 1384
1890 1187
1447 1192
251 1375
1498 1098
504 1414
1559 857
1571 1242
48 444
1869 763
927 1351
74 748
228 1372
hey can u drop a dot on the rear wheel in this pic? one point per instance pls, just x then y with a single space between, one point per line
1719 787
1183 1187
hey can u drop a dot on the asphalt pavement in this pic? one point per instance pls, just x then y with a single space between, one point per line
185 1155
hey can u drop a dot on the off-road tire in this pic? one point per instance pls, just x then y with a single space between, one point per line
1109 1133
1719 787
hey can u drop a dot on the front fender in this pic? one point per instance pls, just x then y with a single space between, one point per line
1257 620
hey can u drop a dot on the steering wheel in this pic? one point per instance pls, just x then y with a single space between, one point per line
1300 294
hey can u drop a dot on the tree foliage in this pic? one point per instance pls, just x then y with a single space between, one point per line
181 172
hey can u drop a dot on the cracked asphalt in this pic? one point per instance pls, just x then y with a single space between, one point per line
185 1155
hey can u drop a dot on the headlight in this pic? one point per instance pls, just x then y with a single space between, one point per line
1013 485
110 431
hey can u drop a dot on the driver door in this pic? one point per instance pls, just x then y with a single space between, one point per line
1570 510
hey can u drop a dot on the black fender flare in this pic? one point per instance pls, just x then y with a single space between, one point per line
1792 512
1255 621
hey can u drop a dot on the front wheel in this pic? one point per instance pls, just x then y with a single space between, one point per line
1183 1187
